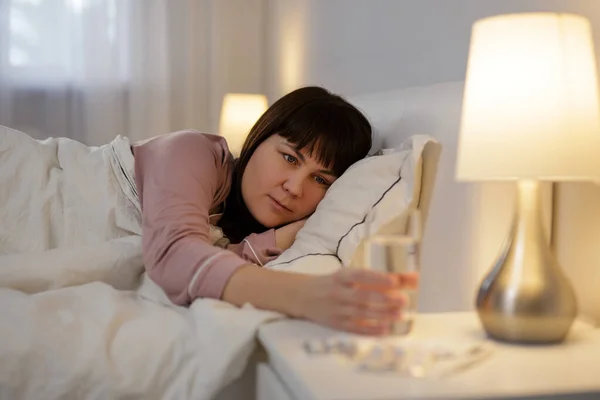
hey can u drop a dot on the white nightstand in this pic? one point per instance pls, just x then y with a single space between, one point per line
567 371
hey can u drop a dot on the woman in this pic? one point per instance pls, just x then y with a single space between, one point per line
188 181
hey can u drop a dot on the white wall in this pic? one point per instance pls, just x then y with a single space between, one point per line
357 46
577 242
354 46
237 47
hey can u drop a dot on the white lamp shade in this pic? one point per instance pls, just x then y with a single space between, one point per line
530 108
239 113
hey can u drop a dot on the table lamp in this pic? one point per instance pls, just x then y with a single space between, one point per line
239 113
530 114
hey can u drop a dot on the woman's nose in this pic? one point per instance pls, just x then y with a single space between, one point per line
293 184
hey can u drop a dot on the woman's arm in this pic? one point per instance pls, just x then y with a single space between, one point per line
353 300
180 176
267 289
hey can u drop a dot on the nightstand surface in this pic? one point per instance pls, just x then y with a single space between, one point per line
570 369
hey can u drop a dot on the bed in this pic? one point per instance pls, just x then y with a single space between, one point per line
113 334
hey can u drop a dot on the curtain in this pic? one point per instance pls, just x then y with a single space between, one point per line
92 69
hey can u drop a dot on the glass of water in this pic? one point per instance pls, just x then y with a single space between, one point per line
399 254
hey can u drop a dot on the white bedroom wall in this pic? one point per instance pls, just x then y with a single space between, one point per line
577 242
237 46
358 46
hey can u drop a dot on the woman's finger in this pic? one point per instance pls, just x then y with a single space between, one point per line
408 280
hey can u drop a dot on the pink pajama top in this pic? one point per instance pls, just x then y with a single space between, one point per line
183 178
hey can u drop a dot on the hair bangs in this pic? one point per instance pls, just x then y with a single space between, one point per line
327 134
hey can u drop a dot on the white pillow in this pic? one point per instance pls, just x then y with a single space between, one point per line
383 188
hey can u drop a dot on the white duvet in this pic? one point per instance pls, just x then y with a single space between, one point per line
78 318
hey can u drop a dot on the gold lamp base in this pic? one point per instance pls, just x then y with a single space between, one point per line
526 298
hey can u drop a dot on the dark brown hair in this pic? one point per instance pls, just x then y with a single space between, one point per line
311 118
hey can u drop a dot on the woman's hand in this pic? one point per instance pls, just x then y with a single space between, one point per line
356 300
285 236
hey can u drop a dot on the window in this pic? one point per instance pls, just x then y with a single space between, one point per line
55 41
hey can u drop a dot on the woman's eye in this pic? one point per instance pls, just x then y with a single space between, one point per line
289 158
321 181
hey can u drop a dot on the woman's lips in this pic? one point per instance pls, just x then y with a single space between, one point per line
278 206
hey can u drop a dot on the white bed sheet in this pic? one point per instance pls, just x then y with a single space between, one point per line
95 342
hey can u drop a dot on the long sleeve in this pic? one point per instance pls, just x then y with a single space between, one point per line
182 175
258 248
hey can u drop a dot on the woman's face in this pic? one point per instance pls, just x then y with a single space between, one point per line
282 184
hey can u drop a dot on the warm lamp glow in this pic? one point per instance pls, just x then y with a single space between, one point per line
238 114
530 108
530 113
